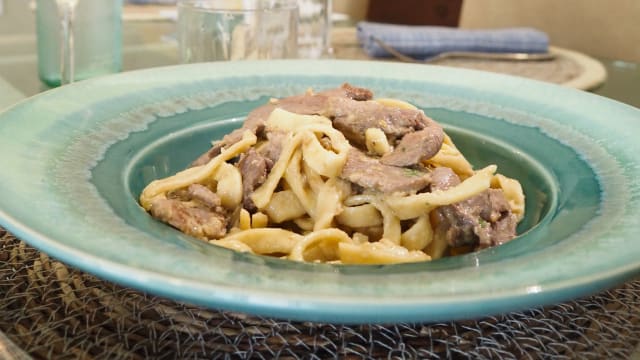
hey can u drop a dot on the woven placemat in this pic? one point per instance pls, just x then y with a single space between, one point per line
558 71
53 311
568 68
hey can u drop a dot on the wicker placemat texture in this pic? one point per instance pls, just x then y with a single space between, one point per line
567 68
558 71
53 311
561 70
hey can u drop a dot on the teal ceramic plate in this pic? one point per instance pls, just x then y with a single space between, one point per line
75 159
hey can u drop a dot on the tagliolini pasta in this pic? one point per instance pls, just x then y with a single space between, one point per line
305 209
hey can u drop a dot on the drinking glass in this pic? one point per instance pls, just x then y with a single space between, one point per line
215 30
314 28
78 39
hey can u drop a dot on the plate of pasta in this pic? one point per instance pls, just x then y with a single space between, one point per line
336 191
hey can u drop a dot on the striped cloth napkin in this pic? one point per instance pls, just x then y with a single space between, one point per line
425 41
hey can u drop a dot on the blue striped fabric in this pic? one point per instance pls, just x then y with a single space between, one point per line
424 41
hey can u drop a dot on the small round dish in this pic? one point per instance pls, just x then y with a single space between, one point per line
76 158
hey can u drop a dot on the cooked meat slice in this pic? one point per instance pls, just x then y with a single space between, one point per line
350 110
415 147
500 223
357 93
254 170
304 104
443 178
498 205
256 118
481 221
369 172
255 121
300 104
192 220
231 138
207 156
203 195
353 118
196 211
273 146
456 228
503 230
351 92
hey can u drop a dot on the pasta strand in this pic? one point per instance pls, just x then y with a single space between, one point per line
195 174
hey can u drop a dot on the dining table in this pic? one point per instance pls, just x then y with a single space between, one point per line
49 309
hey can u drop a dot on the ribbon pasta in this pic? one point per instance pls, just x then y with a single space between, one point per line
306 212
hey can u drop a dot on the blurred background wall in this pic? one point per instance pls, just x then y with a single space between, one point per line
357 9
609 29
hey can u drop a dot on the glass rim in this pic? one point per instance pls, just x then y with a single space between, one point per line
238 5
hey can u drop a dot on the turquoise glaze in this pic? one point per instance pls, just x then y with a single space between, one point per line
74 160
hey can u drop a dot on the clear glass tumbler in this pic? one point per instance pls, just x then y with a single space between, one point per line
216 30
83 42
314 28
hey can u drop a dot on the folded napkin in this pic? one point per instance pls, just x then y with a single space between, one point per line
425 41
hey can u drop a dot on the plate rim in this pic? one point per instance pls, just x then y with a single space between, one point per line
15 226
